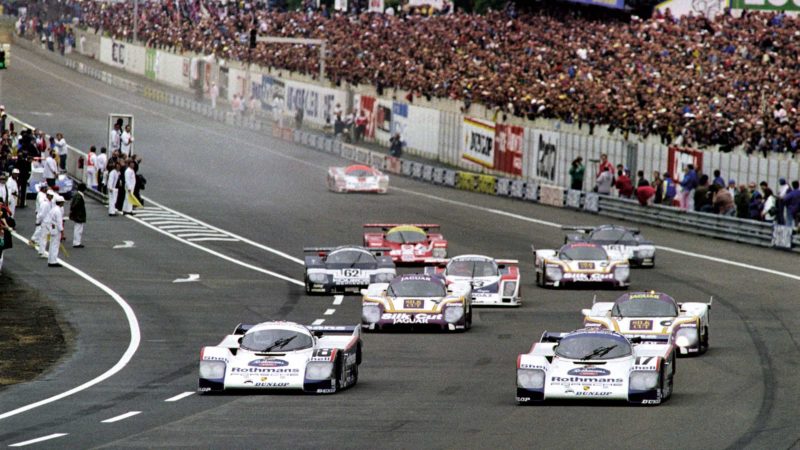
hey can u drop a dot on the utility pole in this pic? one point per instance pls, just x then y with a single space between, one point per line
135 20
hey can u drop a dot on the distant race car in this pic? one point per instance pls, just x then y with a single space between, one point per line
653 313
580 262
494 282
357 178
63 182
619 242
346 269
283 355
408 244
594 364
417 301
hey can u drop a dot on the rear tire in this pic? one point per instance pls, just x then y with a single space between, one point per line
704 341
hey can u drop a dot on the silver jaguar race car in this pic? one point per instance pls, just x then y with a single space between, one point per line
283 355
619 242
346 269
580 263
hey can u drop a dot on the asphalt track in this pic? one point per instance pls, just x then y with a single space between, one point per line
415 390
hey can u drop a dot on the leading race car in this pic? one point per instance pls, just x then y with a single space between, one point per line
619 242
417 301
651 313
580 262
357 178
593 364
283 355
346 269
495 282
409 243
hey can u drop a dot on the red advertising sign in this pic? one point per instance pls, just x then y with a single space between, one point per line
368 106
508 149
679 157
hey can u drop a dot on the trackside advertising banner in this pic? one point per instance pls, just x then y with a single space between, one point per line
618 4
508 149
767 5
478 142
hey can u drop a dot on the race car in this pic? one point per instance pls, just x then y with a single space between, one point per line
283 355
594 364
64 184
408 244
495 282
579 262
653 313
619 242
417 301
346 269
357 178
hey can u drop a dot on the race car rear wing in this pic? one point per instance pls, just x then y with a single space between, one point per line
322 330
586 229
389 226
322 251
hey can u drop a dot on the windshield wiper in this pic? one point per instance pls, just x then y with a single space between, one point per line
599 351
280 343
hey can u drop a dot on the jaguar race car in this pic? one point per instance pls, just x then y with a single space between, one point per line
619 242
283 355
408 244
580 262
594 364
653 313
346 269
417 301
495 282
357 178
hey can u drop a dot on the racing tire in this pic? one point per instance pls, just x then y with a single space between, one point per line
704 341
667 385
308 288
539 279
468 322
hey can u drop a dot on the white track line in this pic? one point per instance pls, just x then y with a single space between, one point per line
121 417
337 299
329 312
213 239
318 322
37 440
133 344
180 396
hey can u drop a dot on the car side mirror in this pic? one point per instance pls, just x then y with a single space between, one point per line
239 340
318 334
586 312
363 292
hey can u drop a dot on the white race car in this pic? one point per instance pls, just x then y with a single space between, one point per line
495 282
595 364
580 262
651 313
619 242
357 178
283 355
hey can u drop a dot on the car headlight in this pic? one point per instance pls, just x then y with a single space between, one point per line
530 378
643 381
440 253
621 273
645 253
317 277
555 273
212 370
371 313
453 313
509 288
384 277
686 337
319 370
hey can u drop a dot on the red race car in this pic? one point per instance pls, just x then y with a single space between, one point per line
409 243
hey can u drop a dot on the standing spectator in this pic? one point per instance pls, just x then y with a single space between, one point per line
770 209
61 148
24 167
604 181
77 214
623 184
742 200
718 180
5 192
645 194
50 169
604 163
55 228
42 222
641 180
658 184
783 189
702 195
670 189
252 106
792 201
576 172
396 145
13 189
101 165
116 136
361 125
756 202
236 104
113 191
126 141
732 189
213 92
90 174
688 185
130 185
723 201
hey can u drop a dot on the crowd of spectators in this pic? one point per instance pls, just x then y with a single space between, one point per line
690 80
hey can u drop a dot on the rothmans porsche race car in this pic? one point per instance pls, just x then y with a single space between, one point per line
645 314
594 364
408 244
346 269
580 262
417 301
357 178
619 242
283 355
495 282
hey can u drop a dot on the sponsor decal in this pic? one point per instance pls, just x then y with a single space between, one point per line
589 371
531 366
413 304
638 324
275 385
214 358
403 318
267 362
587 380
644 296
587 277
586 265
267 370
592 394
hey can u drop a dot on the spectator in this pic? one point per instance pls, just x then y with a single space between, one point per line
236 104
126 141
50 169
361 125
77 214
61 148
688 185
640 179
718 180
783 189
756 202
742 200
732 189
670 190
213 92
723 201
396 145
792 201
604 163
623 184
576 172
604 181
770 210
702 195
645 194
658 184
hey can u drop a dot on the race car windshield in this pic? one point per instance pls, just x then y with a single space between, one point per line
613 235
360 173
406 237
582 254
276 341
472 268
417 288
644 307
350 257
593 346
